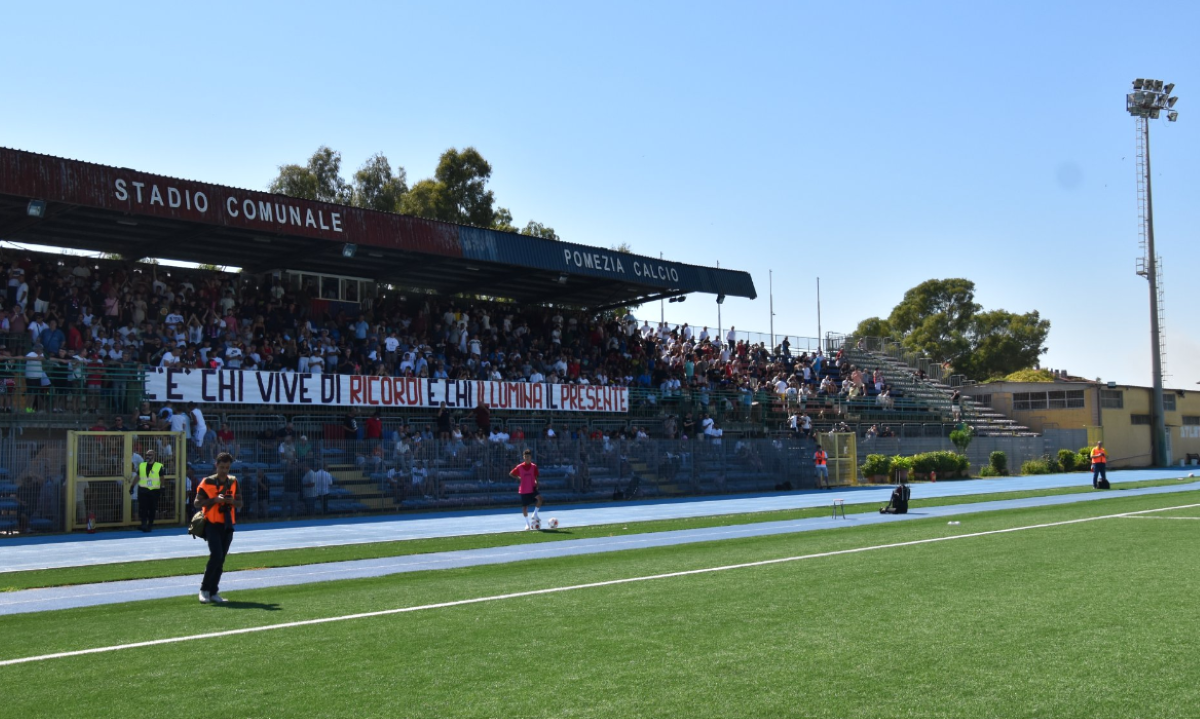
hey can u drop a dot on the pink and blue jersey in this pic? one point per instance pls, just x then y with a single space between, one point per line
528 474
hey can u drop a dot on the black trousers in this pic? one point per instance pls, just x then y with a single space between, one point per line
219 536
1099 471
147 505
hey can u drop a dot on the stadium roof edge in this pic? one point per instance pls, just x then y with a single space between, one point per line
133 213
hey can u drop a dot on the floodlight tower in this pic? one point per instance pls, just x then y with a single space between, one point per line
1149 99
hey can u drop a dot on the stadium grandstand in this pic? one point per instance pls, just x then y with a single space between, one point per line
408 360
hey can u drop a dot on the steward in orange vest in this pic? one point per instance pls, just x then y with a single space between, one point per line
218 497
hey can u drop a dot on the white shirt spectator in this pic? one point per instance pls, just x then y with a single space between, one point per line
179 422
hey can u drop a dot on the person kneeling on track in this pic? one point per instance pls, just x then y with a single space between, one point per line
899 501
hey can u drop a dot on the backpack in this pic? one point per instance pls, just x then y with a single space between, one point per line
198 525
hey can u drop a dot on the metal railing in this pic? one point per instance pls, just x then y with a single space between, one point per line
56 386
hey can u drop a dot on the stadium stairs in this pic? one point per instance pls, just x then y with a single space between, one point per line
935 393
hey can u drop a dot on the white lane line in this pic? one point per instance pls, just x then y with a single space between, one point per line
556 590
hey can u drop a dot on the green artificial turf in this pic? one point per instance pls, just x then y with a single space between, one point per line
13 581
1094 619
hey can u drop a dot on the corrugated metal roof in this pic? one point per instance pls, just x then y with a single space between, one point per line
176 208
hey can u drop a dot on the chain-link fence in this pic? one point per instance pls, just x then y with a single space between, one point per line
295 476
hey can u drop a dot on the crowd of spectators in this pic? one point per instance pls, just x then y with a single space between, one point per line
88 325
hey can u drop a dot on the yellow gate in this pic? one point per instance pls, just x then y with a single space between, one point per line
101 476
842 451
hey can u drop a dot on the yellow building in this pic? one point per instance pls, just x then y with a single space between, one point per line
1122 412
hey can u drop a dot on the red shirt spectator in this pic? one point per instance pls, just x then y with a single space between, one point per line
373 427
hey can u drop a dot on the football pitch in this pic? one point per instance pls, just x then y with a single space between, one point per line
1077 610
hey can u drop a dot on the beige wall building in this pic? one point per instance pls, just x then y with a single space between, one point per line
1120 414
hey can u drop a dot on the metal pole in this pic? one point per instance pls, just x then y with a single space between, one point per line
771 294
720 330
820 342
1158 442
662 318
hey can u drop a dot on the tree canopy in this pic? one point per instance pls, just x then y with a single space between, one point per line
941 319
320 179
376 188
456 193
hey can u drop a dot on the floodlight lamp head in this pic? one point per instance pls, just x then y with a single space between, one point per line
1172 116
349 249
1158 85
1169 87
1137 84
36 208
1172 101
1154 114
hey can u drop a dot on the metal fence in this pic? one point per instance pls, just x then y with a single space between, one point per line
281 479
69 387
1018 449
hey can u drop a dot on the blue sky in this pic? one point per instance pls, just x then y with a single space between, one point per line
875 145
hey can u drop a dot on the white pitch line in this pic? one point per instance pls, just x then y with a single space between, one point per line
556 590
1132 517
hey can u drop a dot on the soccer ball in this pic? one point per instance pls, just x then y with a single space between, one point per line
535 523
553 523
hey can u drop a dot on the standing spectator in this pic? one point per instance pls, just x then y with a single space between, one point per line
287 451
178 422
190 493
199 428
35 377
318 482
226 442
217 496
443 423
956 405
374 428
483 417
820 460
350 426
293 478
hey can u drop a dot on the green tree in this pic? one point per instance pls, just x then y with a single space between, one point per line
537 229
376 188
935 316
457 192
464 177
295 181
320 179
503 220
1003 342
873 327
941 319
424 199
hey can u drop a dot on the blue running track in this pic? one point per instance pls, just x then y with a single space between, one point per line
36 600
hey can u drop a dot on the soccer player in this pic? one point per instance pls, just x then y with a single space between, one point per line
527 473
